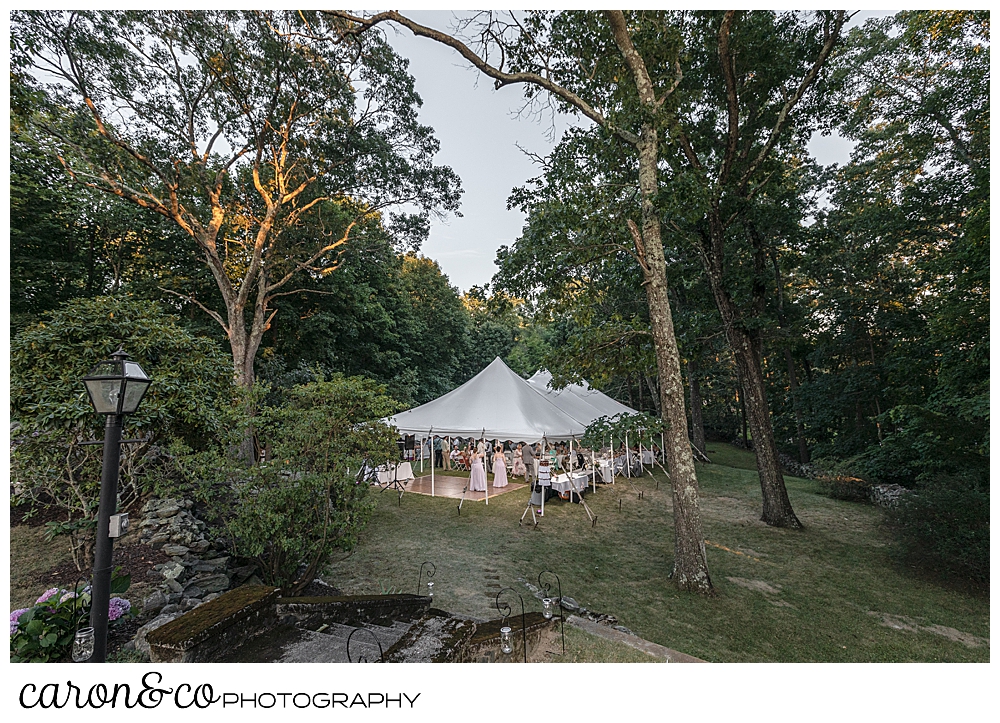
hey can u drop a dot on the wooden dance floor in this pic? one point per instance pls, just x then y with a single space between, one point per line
453 486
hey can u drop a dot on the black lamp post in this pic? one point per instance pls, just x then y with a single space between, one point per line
116 386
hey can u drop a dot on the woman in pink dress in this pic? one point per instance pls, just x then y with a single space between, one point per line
499 468
477 477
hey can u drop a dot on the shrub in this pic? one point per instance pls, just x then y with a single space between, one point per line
924 443
852 489
291 514
945 526
44 632
50 464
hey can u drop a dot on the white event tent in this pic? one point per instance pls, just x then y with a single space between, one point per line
499 404
494 404
580 401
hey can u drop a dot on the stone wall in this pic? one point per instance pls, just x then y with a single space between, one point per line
198 570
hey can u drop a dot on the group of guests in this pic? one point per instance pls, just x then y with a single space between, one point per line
478 456
522 464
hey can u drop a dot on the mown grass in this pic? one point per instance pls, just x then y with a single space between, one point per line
829 592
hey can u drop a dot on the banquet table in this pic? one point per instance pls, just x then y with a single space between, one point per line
400 473
561 482
647 456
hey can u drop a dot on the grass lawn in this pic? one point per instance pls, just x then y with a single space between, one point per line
827 593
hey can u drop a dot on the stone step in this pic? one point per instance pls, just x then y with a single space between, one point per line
436 637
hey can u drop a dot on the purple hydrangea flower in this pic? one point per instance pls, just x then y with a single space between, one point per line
14 616
117 607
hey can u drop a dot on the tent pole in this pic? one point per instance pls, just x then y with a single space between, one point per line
544 445
628 458
593 463
432 462
421 455
485 473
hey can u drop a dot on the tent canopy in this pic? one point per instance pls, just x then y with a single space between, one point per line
580 401
495 404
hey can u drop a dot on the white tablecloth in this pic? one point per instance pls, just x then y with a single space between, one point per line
605 467
561 482
403 472
647 456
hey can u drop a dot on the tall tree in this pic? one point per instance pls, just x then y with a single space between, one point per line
238 127
634 114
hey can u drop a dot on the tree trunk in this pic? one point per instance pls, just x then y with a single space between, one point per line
746 353
244 347
653 394
777 507
690 562
697 423
793 385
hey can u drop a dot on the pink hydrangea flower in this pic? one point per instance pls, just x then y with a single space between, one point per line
47 594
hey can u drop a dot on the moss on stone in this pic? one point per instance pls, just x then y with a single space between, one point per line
218 614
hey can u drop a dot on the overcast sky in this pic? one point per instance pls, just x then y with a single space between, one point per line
479 134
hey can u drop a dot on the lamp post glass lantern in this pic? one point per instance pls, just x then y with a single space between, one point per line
116 387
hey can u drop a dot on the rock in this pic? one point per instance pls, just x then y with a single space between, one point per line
159 540
213 583
254 580
193 590
155 602
217 563
570 604
240 574
175 550
174 597
171 609
175 586
173 571
210 596
201 546
190 603
139 641
168 511
623 629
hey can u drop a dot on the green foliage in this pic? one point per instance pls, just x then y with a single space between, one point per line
641 429
50 464
926 445
291 514
44 632
945 526
851 489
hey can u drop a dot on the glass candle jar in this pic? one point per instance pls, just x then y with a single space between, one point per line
430 589
547 608
506 641
83 645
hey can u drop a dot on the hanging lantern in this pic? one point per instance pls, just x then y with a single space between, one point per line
506 641
547 608
430 589
83 645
